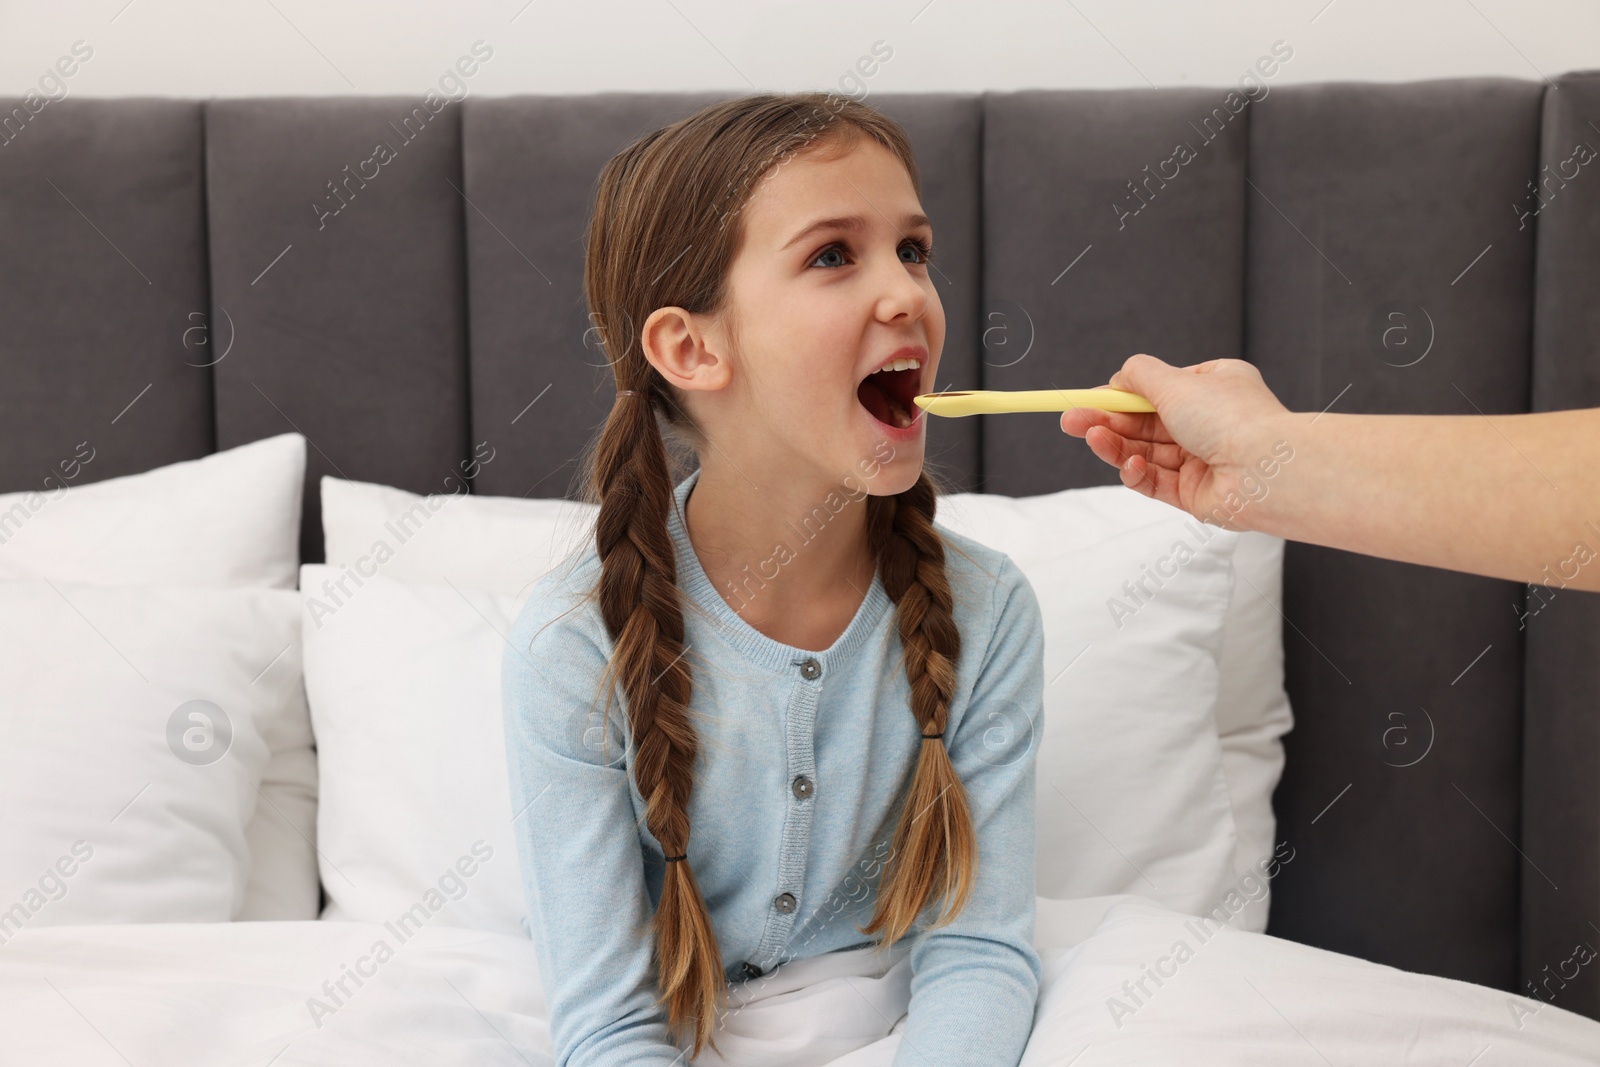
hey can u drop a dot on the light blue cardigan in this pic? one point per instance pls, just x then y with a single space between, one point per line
804 757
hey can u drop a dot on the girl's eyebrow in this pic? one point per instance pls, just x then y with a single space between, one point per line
854 224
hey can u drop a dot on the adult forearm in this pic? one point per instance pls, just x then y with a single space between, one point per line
1509 496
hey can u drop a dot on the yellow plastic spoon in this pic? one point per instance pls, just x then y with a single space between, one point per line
993 401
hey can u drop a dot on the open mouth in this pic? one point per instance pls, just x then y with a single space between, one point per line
887 396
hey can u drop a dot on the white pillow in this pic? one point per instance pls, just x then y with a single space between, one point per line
133 719
1132 742
228 519
415 807
282 832
503 544
1253 710
1131 793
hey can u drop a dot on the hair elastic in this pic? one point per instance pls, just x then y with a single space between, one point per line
930 737
672 858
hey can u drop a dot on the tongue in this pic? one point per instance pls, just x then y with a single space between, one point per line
878 402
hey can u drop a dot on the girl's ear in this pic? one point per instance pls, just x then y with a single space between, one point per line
686 350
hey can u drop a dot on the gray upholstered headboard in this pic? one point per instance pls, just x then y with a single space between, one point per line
179 276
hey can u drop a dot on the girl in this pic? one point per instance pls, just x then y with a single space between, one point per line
827 718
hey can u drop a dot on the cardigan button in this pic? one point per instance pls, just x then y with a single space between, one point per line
810 669
784 902
803 787
749 971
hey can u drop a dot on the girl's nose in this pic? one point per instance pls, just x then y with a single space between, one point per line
900 293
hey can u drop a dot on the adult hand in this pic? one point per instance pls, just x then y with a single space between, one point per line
1399 487
1209 432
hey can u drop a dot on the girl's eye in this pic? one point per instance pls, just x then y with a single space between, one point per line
835 251
923 248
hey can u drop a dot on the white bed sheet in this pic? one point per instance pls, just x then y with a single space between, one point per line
176 995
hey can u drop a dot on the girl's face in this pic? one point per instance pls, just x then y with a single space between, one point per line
830 284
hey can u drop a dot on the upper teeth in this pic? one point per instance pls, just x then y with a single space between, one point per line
900 364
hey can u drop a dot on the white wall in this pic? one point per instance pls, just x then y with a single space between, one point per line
197 48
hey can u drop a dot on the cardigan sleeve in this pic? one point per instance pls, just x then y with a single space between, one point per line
975 982
578 843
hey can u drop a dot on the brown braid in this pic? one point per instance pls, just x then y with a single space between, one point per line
640 604
635 263
934 846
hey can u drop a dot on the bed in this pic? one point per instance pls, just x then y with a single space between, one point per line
173 292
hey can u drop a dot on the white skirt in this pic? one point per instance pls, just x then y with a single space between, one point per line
816 1011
